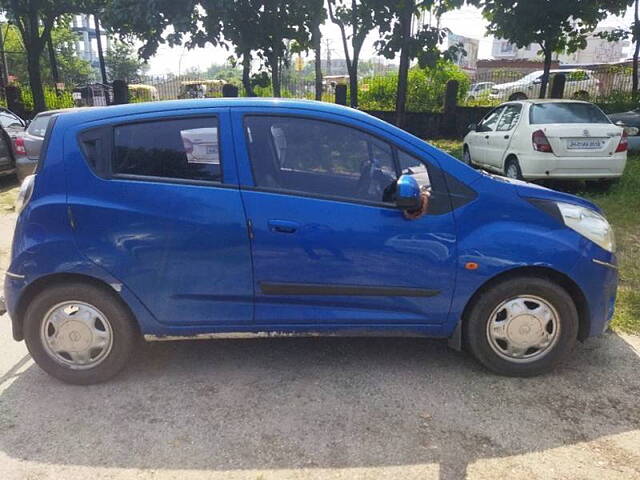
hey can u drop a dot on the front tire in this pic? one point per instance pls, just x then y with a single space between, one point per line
466 156
523 326
79 333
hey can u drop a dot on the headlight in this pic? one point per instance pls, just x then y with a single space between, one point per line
589 224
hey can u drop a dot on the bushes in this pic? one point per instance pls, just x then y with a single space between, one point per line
425 91
53 100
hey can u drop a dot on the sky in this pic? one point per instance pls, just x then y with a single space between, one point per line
467 21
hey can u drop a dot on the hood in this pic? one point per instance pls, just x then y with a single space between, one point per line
531 190
507 86
630 119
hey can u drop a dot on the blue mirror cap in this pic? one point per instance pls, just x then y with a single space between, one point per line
407 192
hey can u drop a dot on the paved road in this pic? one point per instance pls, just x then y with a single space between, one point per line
321 408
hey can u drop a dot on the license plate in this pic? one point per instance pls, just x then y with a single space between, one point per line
587 144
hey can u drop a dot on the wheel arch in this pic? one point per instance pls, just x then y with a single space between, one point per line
574 291
508 155
41 283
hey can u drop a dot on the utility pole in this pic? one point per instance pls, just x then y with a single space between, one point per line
327 47
103 68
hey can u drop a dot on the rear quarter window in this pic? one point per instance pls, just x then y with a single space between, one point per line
544 113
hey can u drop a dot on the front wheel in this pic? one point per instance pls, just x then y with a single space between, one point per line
79 333
524 326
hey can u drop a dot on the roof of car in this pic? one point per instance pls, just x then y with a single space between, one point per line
96 113
548 100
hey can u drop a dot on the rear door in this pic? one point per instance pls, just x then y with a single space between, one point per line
499 139
480 146
166 222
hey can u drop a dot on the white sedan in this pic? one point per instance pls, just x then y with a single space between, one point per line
537 139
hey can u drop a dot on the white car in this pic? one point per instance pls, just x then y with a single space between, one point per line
537 139
479 90
580 84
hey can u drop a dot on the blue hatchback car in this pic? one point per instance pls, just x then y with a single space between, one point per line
242 217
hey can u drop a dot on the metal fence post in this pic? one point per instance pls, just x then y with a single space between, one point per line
120 92
341 94
557 85
449 108
229 90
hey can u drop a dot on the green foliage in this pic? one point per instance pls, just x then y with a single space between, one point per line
617 101
124 64
72 69
54 100
425 92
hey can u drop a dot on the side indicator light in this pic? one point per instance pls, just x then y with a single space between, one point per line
471 266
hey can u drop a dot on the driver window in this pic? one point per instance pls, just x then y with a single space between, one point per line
489 122
318 157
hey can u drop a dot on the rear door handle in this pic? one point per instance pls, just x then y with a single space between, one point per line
283 226
506 137
487 137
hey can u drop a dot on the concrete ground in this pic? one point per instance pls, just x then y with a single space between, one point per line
321 408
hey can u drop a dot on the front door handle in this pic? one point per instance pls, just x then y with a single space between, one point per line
487 137
283 226
506 137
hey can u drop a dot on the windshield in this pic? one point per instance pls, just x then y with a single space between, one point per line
566 113
38 126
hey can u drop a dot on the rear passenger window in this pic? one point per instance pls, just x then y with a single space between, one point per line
184 148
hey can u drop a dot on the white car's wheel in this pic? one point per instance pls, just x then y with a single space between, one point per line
466 157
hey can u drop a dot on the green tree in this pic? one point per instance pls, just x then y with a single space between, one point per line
73 70
35 19
123 63
396 22
355 19
556 26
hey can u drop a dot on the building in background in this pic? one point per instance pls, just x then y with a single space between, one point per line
86 45
467 61
598 50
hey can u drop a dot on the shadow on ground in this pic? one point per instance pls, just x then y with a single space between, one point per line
318 402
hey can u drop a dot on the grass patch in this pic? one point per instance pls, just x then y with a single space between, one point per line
8 194
622 207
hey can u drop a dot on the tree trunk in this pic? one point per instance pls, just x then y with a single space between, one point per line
35 79
53 62
548 56
353 84
317 42
403 69
246 75
275 75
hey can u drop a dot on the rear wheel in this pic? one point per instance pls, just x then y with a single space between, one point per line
512 168
518 96
79 333
466 156
522 327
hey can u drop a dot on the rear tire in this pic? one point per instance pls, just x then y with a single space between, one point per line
518 96
512 169
466 156
525 341
581 95
79 333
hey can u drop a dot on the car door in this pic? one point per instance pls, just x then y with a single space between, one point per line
330 249
479 149
165 222
500 138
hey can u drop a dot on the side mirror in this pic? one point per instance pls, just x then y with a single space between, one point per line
408 195
472 127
